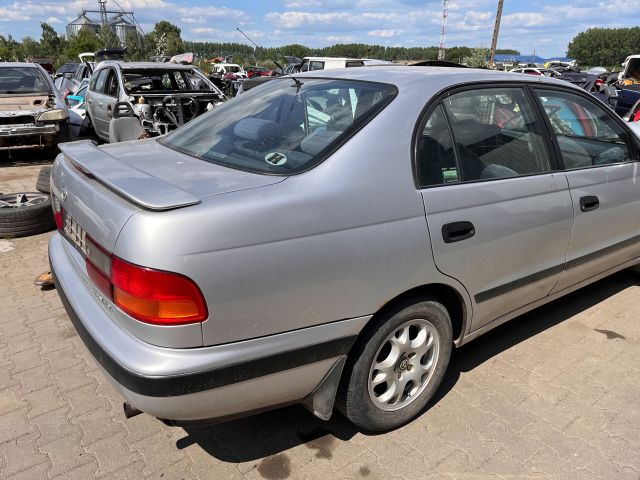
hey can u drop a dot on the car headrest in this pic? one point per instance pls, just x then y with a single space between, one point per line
317 141
257 130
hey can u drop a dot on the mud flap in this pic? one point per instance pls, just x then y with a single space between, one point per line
320 401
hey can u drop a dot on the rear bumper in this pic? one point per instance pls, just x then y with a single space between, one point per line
198 383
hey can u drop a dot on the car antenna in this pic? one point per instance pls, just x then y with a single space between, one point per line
296 81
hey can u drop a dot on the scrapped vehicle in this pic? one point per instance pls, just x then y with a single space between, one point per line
67 69
327 63
546 72
79 123
259 72
280 249
45 63
129 100
32 112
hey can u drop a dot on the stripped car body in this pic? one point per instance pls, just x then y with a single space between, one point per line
295 228
32 112
147 98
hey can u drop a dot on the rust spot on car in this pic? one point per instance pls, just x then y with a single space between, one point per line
275 467
610 334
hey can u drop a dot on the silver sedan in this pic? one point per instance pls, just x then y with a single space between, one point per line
327 238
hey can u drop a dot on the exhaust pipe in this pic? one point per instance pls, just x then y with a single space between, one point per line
129 410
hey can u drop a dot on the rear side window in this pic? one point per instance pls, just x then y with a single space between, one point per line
495 135
286 126
586 134
112 84
316 65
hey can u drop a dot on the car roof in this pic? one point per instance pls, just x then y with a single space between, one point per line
433 78
144 65
20 64
338 59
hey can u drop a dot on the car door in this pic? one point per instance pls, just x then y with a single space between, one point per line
96 103
601 162
111 95
499 213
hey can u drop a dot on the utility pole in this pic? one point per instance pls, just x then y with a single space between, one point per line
494 40
443 30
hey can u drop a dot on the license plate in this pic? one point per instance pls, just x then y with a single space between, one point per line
75 233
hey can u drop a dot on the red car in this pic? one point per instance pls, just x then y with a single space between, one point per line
259 72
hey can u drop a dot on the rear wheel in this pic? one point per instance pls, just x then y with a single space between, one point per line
397 366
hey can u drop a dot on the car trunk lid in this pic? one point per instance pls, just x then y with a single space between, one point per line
101 187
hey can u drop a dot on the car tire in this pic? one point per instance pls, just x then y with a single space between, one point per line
23 219
42 184
418 358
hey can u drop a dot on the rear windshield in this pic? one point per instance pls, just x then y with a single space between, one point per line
282 127
16 80
157 80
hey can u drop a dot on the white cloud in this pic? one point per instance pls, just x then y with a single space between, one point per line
384 33
51 20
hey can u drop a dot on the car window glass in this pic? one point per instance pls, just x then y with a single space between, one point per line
316 65
496 134
305 66
356 63
112 84
101 81
436 160
179 79
587 135
280 129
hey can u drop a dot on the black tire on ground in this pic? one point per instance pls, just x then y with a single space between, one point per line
42 184
354 399
31 219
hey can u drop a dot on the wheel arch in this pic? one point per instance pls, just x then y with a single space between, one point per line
450 298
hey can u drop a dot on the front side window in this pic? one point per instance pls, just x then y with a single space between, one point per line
101 81
495 134
586 134
286 127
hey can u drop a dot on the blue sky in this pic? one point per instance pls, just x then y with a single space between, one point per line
545 26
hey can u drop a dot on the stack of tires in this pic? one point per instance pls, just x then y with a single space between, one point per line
28 213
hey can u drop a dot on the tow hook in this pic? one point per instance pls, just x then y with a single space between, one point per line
129 410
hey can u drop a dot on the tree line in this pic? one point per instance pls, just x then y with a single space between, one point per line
166 39
605 47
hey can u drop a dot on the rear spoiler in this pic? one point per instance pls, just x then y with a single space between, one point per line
136 186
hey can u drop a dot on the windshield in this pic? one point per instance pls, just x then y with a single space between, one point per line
22 80
284 127
157 80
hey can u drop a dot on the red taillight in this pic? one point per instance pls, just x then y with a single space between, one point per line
148 295
98 262
154 296
58 212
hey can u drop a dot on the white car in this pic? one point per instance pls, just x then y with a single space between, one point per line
326 63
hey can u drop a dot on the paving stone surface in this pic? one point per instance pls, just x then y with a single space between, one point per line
553 394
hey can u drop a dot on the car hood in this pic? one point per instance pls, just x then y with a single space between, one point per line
23 105
193 175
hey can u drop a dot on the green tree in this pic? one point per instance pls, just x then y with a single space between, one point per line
108 37
137 46
477 58
166 39
30 48
50 43
606 47
84 41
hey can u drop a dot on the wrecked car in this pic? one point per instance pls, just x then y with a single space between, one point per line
127 101
32 112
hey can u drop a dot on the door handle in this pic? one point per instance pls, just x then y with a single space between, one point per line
457 231
588 203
